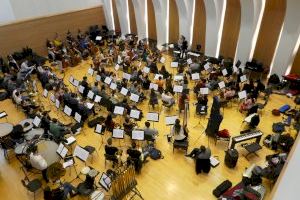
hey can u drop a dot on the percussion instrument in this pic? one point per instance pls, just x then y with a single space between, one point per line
21 149
47 149
247 136
26 128
33 133
97 195
5 129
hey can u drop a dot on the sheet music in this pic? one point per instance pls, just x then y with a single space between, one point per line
135 114
243 78
77 117
3 114
68 163
52 98
81 153
203 90
105 181
171 46
98 38
117 67
146 70
206 66
57 103
118 110
151 116
45 93
170 120
36 121
221 84
118 133
178 88
76 83
224 72
178 77
195 76
124 91
174 64
113 86
137 135
126 76
189 61
97 195
70 140
213 161
242 94
98 128
134 97
90 71
107 80
98 78
97 99
156 77
154 86
67 110
80 89
89 105
162 60
91 94
62 150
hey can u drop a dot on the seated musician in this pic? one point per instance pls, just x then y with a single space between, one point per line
167 98
17 97
37 161
95 88
164 72
146 82
128 126
169 85
136 156
17 134
177 132
153 98
109 123
113 152
85 84
59 191
57 130
247 104
202 156
201 105
150 133
160 82
181 102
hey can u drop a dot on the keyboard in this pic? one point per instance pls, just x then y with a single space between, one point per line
247 136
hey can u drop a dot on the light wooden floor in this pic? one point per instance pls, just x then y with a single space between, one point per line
170 178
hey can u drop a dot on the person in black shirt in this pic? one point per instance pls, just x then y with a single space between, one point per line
112 151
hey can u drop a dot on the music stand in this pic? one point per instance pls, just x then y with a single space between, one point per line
118 134
36 121
153 117
118 110
82 155
62 151
138 135
100 130
105 181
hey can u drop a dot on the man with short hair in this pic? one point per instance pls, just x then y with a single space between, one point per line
150 132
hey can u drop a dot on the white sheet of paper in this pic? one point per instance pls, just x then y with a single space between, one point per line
154 86
235 69
76 83
171 46
52 98
90 71
170 120
105 181
195 76
71 79
124 91
107 80
162 60
138 135
64 152
206 66
80 89
3 114
146 70
119 110
77 117
67 110
126 76
69 163
98 128
113 86
213 161
117 67
60 148
90 94
178 78
36 121
45 93
135 114
177 52
178 88
174 64
189 61
134 97
98 78
57 103
203 90
98 38
224 72
70 140
242 94
156 77
118 133
151 116
119 59
81 153
89 105
97 99
221 84
243 78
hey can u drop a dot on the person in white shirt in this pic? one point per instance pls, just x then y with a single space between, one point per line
151 132
177 132
17 97
166 97
37 161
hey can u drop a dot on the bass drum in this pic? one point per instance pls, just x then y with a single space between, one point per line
47 149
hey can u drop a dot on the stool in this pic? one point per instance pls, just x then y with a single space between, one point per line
252 149
181 145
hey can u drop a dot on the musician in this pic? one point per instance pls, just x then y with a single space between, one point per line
57 130
17 134
17 97
128 125
109 123
183 45
113 152
164 72
59 191
85 84
167 98
153 98
177 132
95 88
136 156
202 156
37 161
247 104
150 132
181 102
229 93
160 82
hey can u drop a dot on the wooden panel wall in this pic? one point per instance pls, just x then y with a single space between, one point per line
199 25
151 20
269 31
231 28
133 27
173 22
116 16
33 33
296 64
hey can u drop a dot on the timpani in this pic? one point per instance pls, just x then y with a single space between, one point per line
29 127
47 149
33 133
5 129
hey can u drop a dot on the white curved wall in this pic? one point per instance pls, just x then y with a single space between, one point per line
141 15
289 39
215 12
123 13
251 15
108 12
161 21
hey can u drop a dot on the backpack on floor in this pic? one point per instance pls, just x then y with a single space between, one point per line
155 154
222 188
278 127
284 108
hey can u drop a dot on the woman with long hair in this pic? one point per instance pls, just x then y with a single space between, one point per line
177 132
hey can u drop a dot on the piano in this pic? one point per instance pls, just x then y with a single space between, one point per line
247 136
